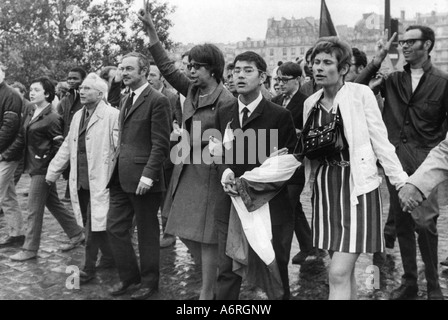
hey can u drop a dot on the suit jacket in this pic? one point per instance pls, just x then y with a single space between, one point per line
433 170
267 116
295 106
143 141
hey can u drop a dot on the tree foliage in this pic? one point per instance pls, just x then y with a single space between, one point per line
48 37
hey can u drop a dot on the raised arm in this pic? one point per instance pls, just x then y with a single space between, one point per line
372 68
173 75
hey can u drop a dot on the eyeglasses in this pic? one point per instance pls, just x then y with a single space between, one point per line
285 80
246 70
409 42
196 65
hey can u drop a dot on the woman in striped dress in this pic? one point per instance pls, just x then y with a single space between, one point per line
346 200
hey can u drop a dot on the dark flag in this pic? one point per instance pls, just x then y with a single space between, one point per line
326 28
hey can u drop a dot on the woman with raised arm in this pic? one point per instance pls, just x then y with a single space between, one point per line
195 192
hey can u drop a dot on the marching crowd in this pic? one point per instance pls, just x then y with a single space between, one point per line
118 137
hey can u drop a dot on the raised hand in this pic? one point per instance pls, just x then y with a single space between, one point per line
383 49
144 14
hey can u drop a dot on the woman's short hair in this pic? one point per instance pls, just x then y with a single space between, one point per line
48 87
211 55
334 45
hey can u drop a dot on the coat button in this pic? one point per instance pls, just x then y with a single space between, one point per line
407 122
405 140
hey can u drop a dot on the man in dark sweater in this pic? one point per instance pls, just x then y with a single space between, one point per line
10 116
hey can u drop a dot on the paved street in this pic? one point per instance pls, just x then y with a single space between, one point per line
45 278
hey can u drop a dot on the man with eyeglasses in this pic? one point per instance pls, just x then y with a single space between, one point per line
288 75
415 114
253 114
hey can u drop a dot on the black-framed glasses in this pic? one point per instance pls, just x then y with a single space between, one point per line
409 42
196 65
246 70
285 80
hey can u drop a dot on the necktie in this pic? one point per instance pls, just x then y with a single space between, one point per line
245 116
286 101
86 118
128 105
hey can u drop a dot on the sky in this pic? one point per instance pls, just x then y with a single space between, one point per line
199 21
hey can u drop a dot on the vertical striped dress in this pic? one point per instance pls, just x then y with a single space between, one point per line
336 225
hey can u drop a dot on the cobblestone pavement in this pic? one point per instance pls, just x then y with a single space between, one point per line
45 278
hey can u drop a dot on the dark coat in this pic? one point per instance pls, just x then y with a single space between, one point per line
67 108
143 143
195 195
295 106
267 116
41 138
10 115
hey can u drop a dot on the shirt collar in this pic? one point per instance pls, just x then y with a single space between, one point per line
251 106
139 91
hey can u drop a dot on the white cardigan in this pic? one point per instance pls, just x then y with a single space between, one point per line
367 138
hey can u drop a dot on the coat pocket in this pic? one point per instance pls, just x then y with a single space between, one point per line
141 160
366 159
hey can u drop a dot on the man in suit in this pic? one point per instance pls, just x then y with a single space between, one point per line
432 172
289 75
253 114
137 182
156 80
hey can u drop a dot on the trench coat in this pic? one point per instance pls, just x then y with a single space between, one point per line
101 144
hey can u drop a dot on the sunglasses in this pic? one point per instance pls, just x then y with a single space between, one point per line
409 42
196 65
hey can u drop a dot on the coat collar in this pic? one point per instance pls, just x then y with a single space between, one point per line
46 111
141 98
427 66
258 111
193 95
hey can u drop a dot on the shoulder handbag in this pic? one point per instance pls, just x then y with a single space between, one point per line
323 141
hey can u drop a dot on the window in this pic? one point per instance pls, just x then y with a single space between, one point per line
293 51
271 52
285 51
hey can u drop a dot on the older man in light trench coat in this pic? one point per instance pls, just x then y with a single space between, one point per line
89 149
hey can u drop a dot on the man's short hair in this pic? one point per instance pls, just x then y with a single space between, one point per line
290 69
104 74
48 87
251 56
19 86
143 61
98 83
79 70
211 55
230 66
360 57
427 34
